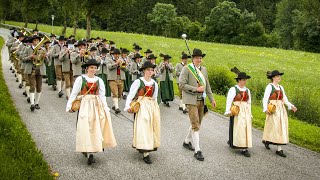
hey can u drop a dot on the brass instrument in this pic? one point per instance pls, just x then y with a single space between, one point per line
26 32
40 53
86 53
123 65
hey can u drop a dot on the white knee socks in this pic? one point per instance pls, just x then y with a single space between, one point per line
28 91
115 103
195 138
32 98
279 148
59 86
189 136
37 97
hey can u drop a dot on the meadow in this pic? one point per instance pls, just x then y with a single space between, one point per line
300 79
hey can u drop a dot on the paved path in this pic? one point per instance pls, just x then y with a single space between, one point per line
54 133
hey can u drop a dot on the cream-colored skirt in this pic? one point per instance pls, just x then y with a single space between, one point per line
276 125
146 130
94 127
242 126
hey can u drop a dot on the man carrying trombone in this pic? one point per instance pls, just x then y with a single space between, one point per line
35 69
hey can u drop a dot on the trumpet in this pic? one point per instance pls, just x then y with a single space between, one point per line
26 32
86 53
123 65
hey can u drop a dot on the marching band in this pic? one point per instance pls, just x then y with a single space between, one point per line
76 68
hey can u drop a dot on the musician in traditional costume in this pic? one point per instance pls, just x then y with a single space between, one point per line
58 65
166 80
116 78
146 55
146 128
78 58
135 66
178 69
276 126
35 69
136 49
239 97
94 128
103 70
195 86
126 63
17 62
67 72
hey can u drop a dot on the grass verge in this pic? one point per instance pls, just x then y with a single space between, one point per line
20 158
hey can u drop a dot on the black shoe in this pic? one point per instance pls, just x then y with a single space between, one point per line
54 87
60 94
167 104
245 153
198 156
280 153
20 86
91 159
28 99
266 144
228 143
32 107
188 146
37 106
113 108
13 71
124 97
117 111
185 111
24 93
10 68
85 154
47 81
17 80
147 160
180 108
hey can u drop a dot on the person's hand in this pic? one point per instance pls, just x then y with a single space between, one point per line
81 52
294 109
200 89
214 104
71 111
129 110
33 56
268 112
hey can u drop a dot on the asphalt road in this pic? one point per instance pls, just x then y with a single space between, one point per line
53 130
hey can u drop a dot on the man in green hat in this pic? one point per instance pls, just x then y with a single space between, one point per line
195 86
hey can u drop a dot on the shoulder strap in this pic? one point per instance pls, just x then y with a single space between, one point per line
272 90
83 82
237 90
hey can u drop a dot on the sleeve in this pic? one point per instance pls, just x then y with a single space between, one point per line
250 99
102 94
75 91
170 66
74 58
183 82
286 101
266 97
55 54
156 89
208 90
111 64
133 91
230 97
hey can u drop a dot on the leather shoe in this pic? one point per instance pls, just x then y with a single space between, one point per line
280 153
60 94
124 97
20 86
180 108
91 159
198 155
117 111
28 99
24 93
85 154
113 108
188 146
185 111
54 87
266 144
147 160
245 153
37 106
32 107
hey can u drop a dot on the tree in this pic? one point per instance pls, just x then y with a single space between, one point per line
163 16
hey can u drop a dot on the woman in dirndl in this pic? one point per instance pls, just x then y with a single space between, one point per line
146 129
240 134
94 127
276 126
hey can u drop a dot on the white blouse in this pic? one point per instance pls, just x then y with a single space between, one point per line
232 94
267 95
77 88
135 87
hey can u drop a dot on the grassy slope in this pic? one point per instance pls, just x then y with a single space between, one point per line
301 69
19 156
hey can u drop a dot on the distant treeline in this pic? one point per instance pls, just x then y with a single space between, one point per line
288 24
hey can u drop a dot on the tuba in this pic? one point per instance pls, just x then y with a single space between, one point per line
40 53
26 32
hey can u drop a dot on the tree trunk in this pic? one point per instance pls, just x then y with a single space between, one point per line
25 22
64 30
89 24
75 23
36 24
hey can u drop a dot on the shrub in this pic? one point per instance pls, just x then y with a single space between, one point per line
221 79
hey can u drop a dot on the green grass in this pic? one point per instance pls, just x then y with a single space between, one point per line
301 72
19 157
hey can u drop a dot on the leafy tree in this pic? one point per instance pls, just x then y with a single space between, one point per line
163 16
